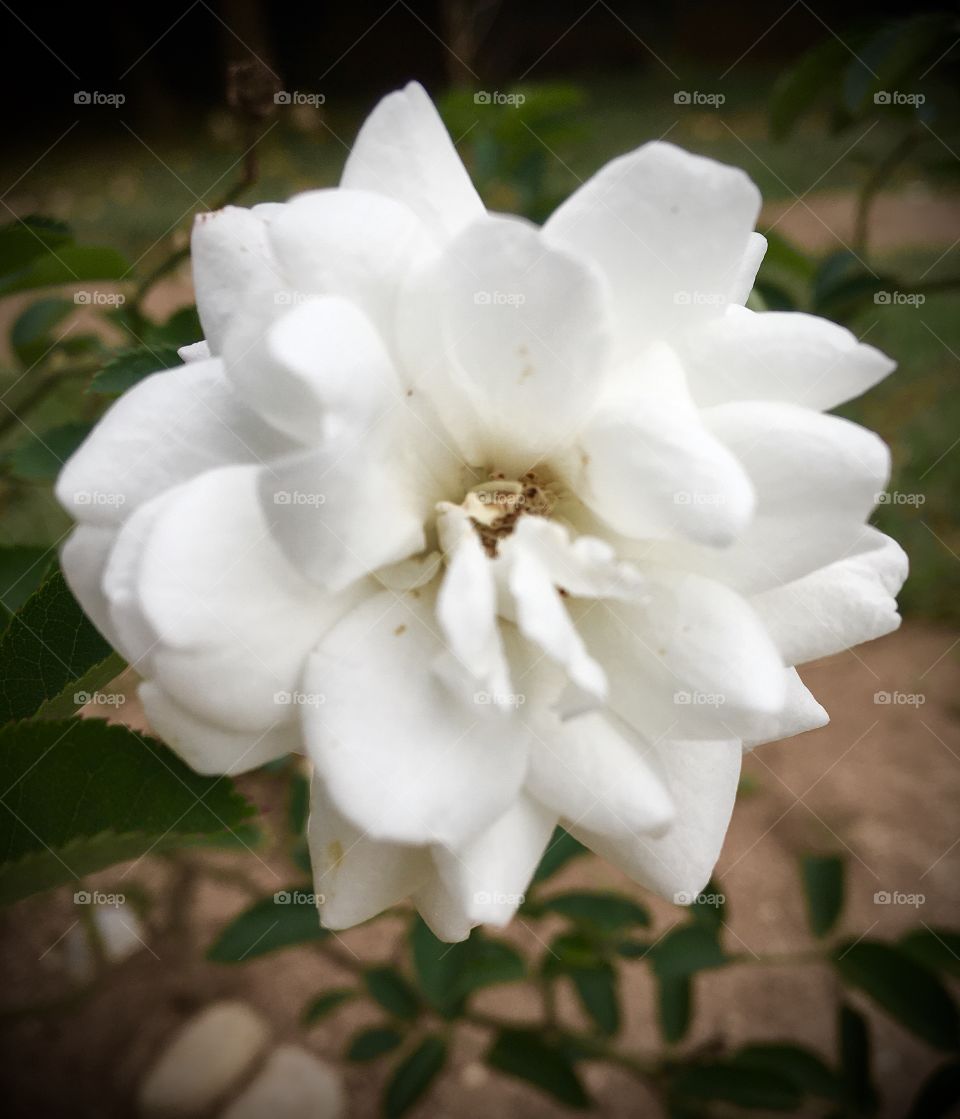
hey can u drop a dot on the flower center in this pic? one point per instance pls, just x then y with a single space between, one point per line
495 506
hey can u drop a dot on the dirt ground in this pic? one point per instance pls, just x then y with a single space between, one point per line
879 784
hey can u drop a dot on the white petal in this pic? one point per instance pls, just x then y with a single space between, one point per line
441 912
467 604
234 620
342 511
404 151
84 558
783 356
585 566
816 477
211 747
746 274
357 877
525 326
169 428
669 230
229 250
694 661
350 243
596 778
837 606
542 616
651 469
318 367
196 351
702 779
489 875
801 712
403 757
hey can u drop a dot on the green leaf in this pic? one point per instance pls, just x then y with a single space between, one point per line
22 569
843 286
24 240
529 1056
413 1076
939 1095
570 951
687 949
560 850
936 949
124 370
855 1063
30 336
805 85
41 457
48 643
78 692
325 1004
370 1044
910 993
709 907
66 264
389 988
674 998
606 911
181 329
801 1066
448 973
751 1087
823 888
633 949
298 806
597 988
286 918
83 795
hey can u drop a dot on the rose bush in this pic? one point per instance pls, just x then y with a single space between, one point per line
501 526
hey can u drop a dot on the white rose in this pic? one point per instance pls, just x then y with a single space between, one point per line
690 523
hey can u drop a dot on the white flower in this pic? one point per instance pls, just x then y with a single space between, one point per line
502 526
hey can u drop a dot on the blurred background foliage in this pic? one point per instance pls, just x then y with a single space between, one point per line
121 213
